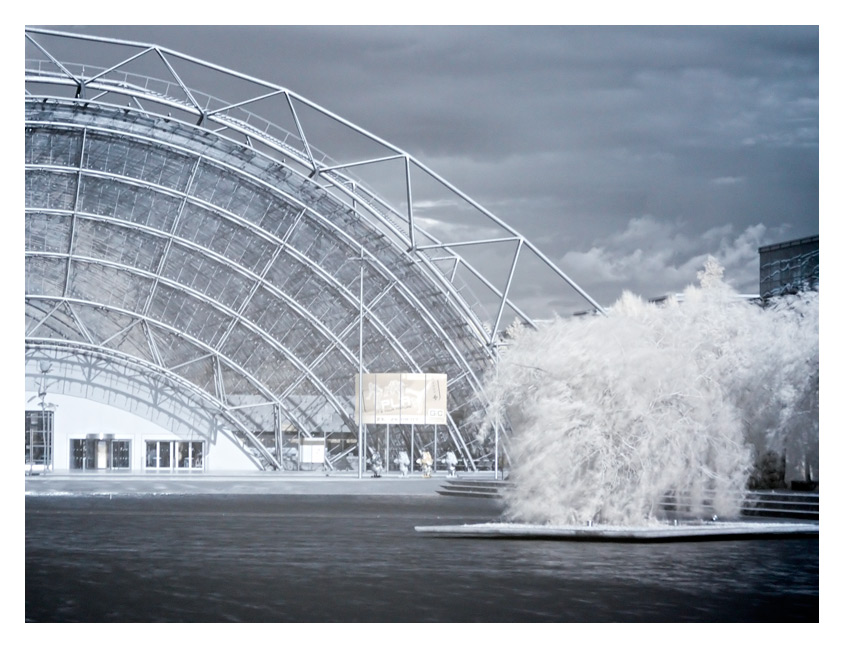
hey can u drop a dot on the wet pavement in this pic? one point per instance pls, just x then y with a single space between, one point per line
301 483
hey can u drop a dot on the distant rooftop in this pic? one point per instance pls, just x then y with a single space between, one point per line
789 244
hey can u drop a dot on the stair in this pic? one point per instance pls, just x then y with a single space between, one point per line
473 487
780 503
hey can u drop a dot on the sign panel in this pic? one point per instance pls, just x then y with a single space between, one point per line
312 451
402 398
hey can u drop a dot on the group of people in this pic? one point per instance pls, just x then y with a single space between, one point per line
425 462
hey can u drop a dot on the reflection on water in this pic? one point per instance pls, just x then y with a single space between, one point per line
358 559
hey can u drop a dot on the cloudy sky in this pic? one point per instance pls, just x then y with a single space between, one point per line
628 154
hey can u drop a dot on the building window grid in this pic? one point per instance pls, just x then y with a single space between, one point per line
169 456
38 432
100 454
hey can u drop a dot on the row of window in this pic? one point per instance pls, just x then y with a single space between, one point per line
106 453
174 454
113 454
99 454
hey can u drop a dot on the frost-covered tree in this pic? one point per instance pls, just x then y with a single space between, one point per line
611 413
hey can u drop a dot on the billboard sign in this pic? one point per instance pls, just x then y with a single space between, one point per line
402 398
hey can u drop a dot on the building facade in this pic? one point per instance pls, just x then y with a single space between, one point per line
789 267
197 261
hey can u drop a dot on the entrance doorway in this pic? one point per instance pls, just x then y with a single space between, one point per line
174 455
100 452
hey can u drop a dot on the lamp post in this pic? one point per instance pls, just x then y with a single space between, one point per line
361 426
496 415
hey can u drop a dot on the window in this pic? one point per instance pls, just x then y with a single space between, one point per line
120 455
175 455
39 440
100 453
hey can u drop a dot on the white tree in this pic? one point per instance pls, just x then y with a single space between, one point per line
611 413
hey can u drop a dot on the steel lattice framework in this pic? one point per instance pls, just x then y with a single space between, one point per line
206 248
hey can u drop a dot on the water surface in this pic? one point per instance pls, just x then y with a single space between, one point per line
310 558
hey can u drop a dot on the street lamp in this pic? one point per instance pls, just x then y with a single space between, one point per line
361 426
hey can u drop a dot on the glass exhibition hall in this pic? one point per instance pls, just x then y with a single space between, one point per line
213 263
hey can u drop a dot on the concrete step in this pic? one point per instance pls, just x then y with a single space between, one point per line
473 487
781 503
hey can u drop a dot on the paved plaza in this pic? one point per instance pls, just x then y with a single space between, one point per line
301 483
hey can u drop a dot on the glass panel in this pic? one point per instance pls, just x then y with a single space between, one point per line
57 147
164 454
90 454
120 454
77 454
183 450
126 157
197 453
50 190
47 232
152 454
38 438
45 276
122 289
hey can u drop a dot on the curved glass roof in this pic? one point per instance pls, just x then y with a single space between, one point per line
189 241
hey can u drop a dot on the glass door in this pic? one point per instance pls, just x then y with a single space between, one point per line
175 455
100 452
38 432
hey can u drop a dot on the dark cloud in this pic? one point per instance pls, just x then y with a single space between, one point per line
696 139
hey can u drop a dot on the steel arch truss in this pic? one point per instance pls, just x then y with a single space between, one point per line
185 236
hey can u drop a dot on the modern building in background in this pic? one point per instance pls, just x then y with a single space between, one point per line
212 260
789 267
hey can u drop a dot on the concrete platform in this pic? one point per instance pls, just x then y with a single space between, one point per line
683 531
231 484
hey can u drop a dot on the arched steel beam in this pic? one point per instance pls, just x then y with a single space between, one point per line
185 386
308 160
243 222
266 391
325 222
305 157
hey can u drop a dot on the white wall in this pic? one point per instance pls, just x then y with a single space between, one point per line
75 418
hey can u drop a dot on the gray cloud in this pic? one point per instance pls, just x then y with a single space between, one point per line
627 153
